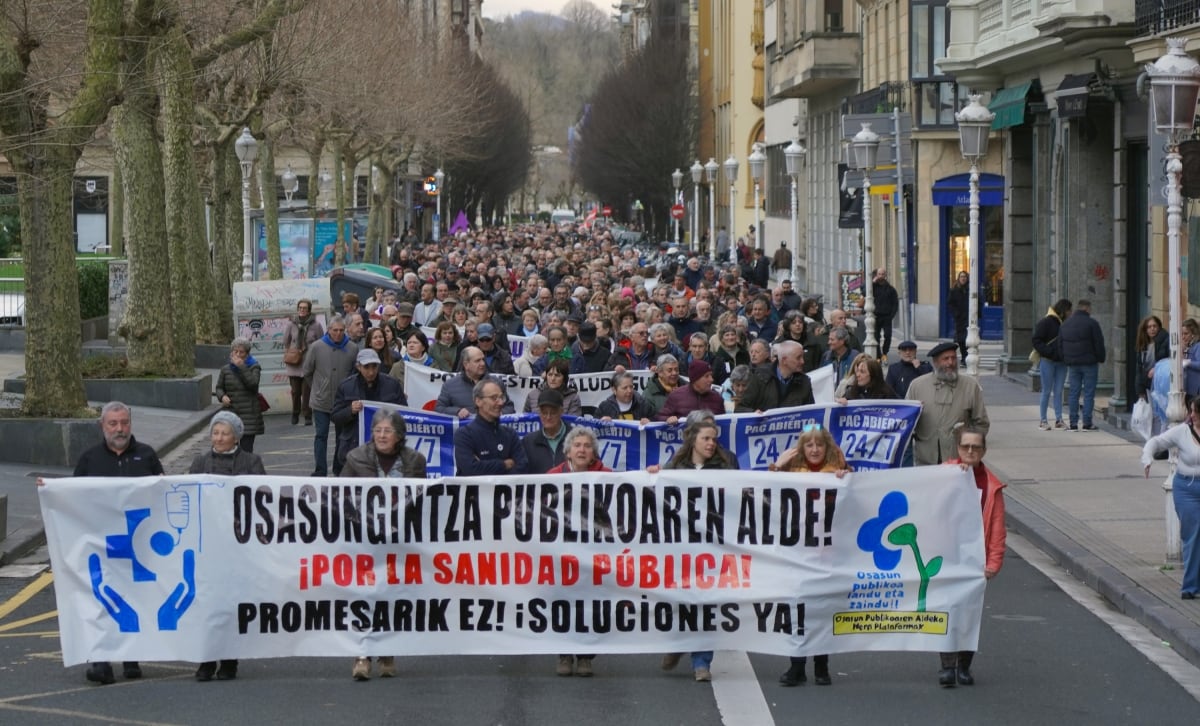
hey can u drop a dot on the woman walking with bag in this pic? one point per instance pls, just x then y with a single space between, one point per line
1049 361
303 330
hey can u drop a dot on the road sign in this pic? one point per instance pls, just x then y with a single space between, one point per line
677 211
607 211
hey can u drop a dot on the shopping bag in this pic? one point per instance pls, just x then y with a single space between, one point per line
1142 422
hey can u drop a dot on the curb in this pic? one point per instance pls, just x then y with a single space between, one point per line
23 541
1129 598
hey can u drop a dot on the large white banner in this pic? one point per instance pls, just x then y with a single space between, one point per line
205 567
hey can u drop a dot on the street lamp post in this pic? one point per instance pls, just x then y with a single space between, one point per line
324 187
758 163
697 178
677 182
438 177
793 154
731 175
710 173
247 151
866 149
290 183
1174 87
974 125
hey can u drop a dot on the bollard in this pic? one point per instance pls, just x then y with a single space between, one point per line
1173 544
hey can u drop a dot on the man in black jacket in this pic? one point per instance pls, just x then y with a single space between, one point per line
887 303
787 386
1081 342
118 455
364 385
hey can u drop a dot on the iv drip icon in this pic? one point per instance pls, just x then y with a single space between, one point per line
179 510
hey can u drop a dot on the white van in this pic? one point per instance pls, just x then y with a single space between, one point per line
560 217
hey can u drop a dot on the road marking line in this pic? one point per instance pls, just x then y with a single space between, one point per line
739 696
25 594
1145 642
36 634
28 621
81 715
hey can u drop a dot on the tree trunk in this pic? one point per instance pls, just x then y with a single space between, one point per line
270 205
339 195
45 187
116 211
222 277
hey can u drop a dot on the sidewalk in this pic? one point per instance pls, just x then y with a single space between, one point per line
1079 496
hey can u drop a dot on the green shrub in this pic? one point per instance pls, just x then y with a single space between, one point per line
93 289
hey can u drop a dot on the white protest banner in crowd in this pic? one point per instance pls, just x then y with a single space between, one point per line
872 434
422 385
205 567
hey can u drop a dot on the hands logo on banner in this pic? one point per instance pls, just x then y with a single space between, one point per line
892 508
166 546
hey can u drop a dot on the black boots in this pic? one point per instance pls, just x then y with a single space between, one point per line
956 669
795 672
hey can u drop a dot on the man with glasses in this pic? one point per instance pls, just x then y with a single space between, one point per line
327 364
637 355
484 447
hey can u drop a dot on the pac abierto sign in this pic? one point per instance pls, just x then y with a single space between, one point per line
262 311
197 568
873 434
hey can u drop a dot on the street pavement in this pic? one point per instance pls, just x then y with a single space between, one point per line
1080 497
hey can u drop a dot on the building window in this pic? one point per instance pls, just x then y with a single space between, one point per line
937 95
937 102
779 184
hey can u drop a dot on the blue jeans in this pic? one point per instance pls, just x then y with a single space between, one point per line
1054 375
321 442
1082 379
702 659
1185 490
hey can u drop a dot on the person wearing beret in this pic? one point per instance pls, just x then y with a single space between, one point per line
947 399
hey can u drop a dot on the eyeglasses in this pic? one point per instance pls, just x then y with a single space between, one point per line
493 397
811 427
971 447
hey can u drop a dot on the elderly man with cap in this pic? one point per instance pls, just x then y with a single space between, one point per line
906 370
544 447
588 353
496 356
403 325
365 384
697 394
947 399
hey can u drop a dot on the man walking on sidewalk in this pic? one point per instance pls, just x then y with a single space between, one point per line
1082 344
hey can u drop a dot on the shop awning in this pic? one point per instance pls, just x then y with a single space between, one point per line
1009 106
955 191
1072 95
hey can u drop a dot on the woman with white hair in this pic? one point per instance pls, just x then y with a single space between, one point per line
227 458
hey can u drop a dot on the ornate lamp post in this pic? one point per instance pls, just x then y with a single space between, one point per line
247 151
731 175
974 125
793 154
758 163
710 175
1174 86
697 179
290 183
677 182
438 177
866 149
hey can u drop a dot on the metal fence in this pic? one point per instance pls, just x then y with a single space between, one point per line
1154 17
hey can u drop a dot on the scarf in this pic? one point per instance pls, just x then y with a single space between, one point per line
340 346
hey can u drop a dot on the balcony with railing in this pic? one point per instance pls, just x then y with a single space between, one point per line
1158 17
826 52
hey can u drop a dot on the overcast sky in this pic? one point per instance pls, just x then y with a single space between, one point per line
500 8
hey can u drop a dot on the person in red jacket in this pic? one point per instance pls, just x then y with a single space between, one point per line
697 394
582 448
972 445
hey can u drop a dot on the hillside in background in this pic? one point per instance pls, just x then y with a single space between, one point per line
553 63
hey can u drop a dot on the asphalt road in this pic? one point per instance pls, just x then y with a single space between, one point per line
1044 658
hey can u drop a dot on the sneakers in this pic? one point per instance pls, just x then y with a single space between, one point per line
362 669
670 660
387 666
703 675
583 667
566 665
1059 425
101 673
1089 427
1044 425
